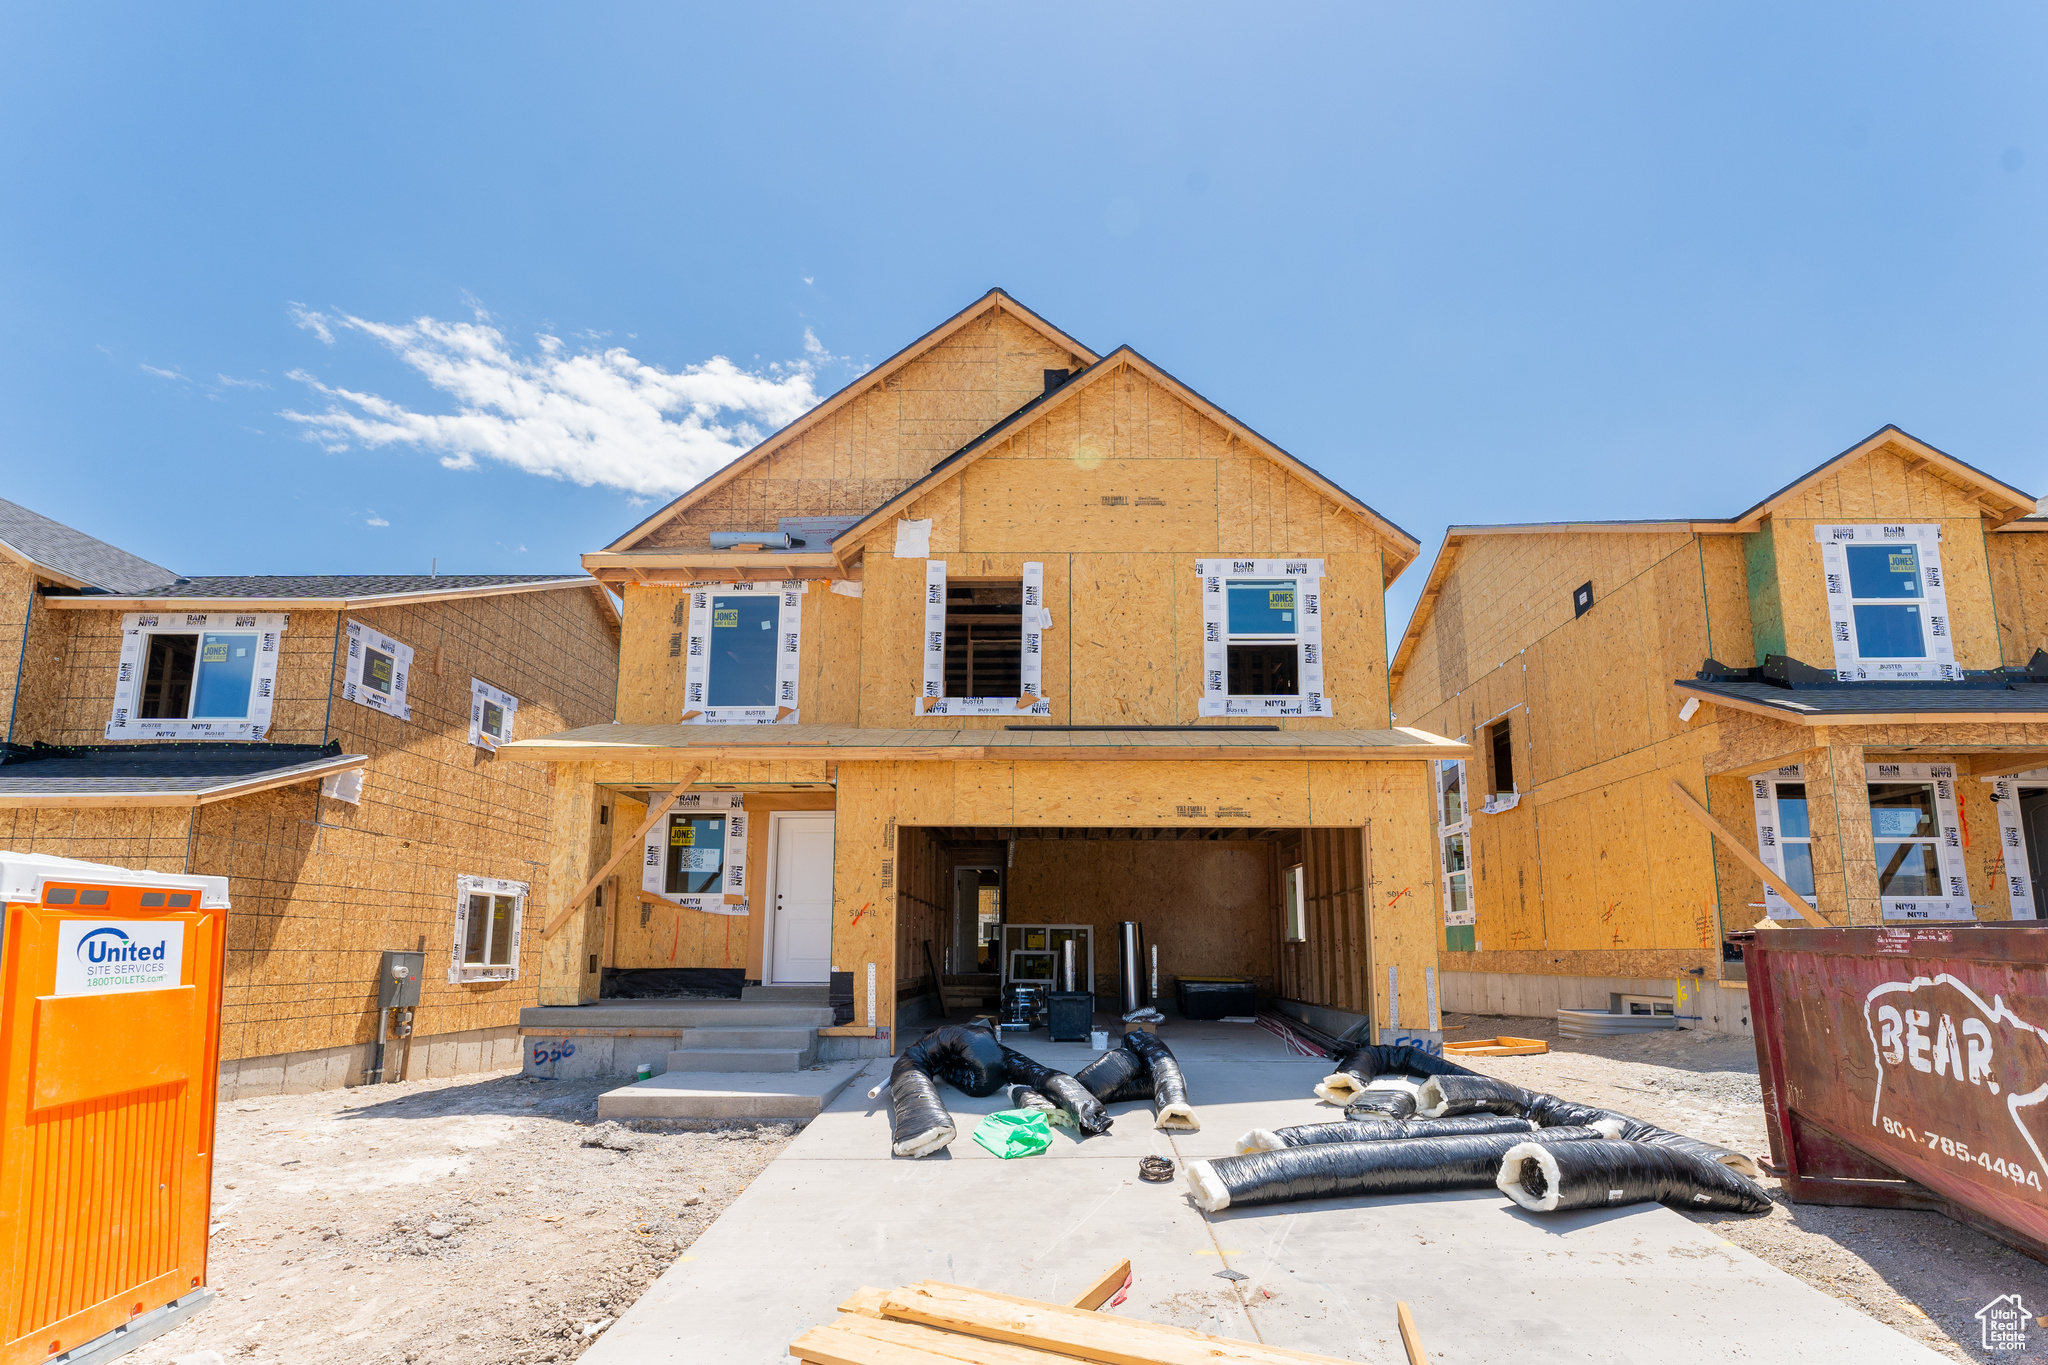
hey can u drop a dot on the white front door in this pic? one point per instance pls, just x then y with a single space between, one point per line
801 950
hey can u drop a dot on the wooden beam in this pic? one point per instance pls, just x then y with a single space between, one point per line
1754 863
619 852
1411 1339
2005 765
1113 1282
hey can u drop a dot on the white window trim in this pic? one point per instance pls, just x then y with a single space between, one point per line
731 897
1445 832
479 693
1037 619
1216 699
2012 840
465 887
361 638
1947 840
137 627
788 647
1850 665
1763 790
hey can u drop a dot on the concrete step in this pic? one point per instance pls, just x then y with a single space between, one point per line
737 1059
675 1014
798 1095
786 995
725 1039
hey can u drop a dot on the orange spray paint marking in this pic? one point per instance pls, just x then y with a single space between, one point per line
1395 899
858 913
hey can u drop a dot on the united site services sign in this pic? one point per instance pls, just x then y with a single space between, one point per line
99 957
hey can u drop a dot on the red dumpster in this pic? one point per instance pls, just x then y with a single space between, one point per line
1907 1067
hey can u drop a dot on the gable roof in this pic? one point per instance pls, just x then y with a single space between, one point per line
2004 506
72 557
994 301
1401 545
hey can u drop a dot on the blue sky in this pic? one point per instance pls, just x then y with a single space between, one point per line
354 290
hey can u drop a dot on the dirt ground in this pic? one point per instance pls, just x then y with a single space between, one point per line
439 1221
1917 1272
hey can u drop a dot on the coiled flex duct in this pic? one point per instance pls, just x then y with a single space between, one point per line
1338 1169
1354 1071
1545 1178
1379 1130
971 1059
1142 1068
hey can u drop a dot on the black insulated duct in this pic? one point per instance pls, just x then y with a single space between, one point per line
1544 1178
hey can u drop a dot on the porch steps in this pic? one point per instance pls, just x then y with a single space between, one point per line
800 1095
772 1028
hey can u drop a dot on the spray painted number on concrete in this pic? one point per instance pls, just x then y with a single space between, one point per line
555 1050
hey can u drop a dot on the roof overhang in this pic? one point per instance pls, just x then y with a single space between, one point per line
40 569
226 789
2000 501
1793 713
848 745
680 567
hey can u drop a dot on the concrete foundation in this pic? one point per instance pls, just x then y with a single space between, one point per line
1710 1006
333 1068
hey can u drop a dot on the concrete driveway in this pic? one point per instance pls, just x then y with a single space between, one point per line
1485 1280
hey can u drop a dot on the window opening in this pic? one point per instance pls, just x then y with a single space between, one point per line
1501 741
195 676
1916 838
2021 805
1784 836
378 672
491 714
984 645
984 639
697 857
1294 921
1887 606
1454 832
740 666
1262 637
488 919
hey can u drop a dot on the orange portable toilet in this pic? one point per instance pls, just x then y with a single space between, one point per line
109 1068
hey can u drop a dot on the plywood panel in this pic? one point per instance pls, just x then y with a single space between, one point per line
1022 505
1120 641
1162 793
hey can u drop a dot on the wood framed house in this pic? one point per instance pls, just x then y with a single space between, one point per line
1681 728
329 744
1005 643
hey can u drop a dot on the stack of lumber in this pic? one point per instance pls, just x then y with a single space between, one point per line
946 1324
1502 1046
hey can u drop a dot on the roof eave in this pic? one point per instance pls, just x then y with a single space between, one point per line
205 796
112 602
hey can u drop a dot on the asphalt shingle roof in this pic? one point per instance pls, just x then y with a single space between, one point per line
152 769
1851 699
259 586
76 554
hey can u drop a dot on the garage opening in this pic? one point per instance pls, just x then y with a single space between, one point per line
1233 919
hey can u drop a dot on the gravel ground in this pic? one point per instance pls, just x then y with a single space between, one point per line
1917 1272
454 1220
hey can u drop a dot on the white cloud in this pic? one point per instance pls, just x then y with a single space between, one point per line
591 415
316 323
165 374
228 381
375 520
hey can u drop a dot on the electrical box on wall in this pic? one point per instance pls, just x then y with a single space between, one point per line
398 980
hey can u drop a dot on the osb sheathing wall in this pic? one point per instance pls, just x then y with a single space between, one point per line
884 439
17 601
1880 488
1596 871
651 656
321 888
643 934
2019 581
1118 492
1206 906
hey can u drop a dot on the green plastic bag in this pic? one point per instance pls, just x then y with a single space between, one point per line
1014 1132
